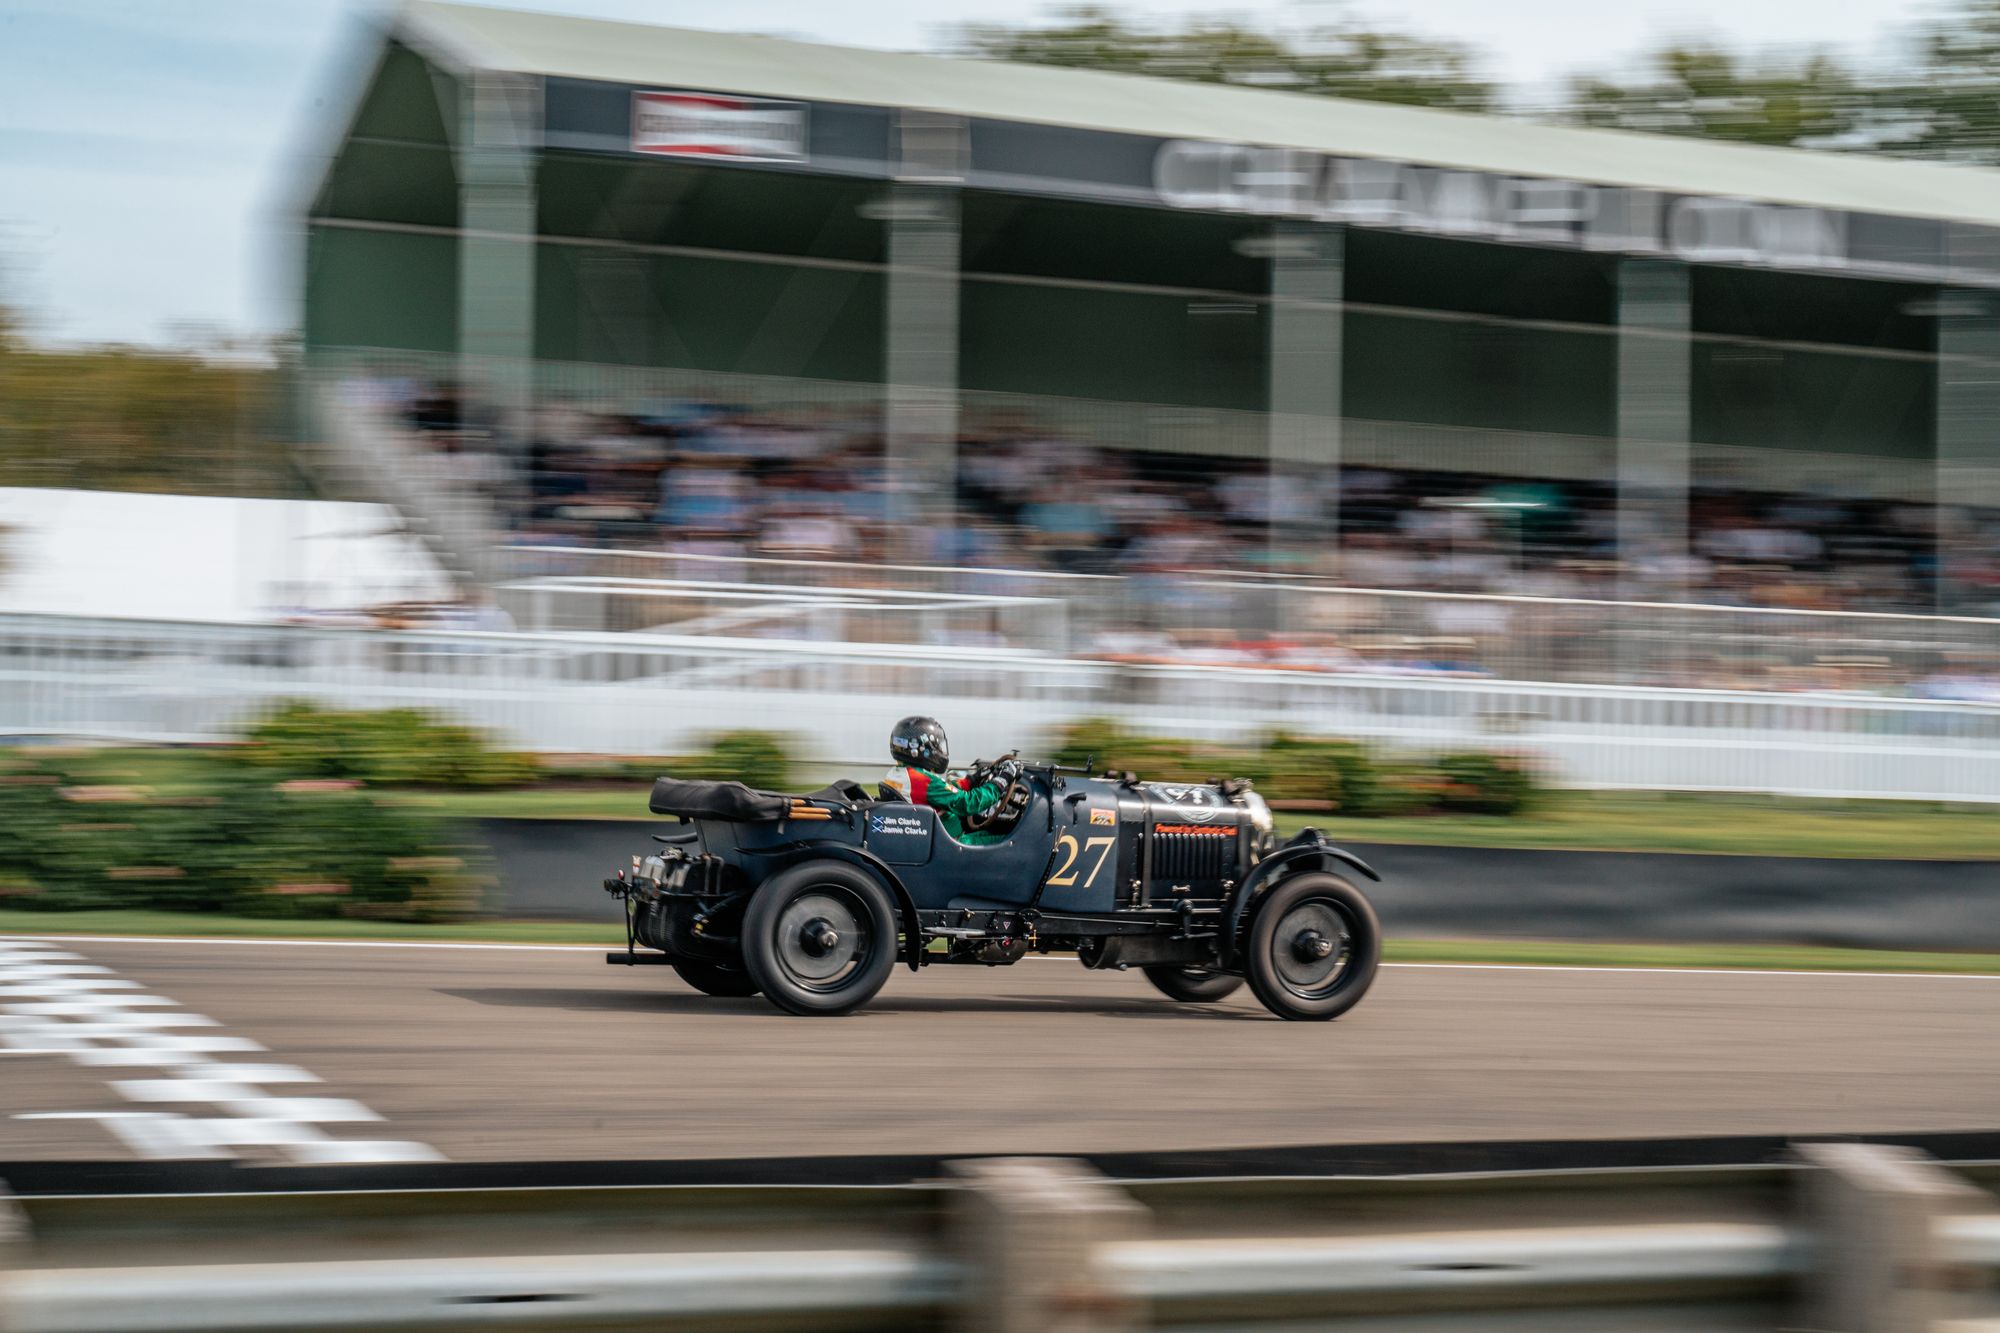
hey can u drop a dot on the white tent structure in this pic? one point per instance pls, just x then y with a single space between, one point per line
207 558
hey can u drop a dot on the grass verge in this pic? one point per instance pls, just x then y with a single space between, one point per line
1784 957
1566 821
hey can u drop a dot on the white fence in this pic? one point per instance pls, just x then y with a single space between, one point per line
1674 644
639 694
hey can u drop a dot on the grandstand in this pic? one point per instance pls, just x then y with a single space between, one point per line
573 287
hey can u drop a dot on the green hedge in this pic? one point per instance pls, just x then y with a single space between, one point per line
239 839
390 747
1340 775
400 747
756 758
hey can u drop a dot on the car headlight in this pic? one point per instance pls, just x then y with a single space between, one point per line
1260 813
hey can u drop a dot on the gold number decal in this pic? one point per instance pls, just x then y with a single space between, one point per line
1065 877
1103 847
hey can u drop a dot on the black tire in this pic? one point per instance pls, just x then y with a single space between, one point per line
729 981
820 938
1196 985
1292 970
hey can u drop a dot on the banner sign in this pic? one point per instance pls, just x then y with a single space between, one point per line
1287 182
1012 157
742 129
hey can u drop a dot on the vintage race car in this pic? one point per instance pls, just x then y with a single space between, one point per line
812 900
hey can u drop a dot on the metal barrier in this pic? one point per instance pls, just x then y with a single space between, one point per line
1574 640
602 603
1849 1238
656 694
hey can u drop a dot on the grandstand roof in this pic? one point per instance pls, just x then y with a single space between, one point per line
544 44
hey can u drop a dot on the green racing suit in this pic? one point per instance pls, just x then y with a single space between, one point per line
952 802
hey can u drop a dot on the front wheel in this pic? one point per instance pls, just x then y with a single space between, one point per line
1196 985
1313 948
820 938
724 980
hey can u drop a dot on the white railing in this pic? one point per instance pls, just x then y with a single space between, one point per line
824 614
638 694
1574 639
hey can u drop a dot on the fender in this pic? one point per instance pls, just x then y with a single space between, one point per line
1308 850
913 932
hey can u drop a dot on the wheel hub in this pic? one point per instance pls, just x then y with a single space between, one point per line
1311 946
1310 950
819 938
822 937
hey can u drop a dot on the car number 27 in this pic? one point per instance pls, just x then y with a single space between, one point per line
1066 873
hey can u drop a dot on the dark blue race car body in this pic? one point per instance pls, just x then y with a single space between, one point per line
1168 877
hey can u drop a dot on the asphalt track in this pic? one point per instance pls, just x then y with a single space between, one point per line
367 1052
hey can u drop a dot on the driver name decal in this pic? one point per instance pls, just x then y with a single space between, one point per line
898 825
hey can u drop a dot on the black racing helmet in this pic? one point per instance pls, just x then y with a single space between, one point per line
918 742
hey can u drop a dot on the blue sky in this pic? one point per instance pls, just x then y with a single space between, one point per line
146 146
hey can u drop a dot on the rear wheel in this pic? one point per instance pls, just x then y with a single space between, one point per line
1313 948
820 938
1196 985
726 980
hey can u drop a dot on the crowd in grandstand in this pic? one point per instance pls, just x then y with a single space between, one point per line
701 477
696 477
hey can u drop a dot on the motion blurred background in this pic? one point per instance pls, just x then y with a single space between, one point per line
1547 429
1553 447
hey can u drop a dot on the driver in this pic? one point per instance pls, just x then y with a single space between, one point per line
920 750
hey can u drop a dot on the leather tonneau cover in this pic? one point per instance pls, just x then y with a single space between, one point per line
717 800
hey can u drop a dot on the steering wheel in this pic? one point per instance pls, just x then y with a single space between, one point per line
1014 798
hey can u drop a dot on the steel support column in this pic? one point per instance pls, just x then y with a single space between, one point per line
1968 436
1654 397
1303 427
920 333
498 139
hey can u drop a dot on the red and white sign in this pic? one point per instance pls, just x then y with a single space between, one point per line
742 129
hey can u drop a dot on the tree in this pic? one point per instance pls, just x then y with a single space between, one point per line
1948 105
1710 93
1341 60
138 419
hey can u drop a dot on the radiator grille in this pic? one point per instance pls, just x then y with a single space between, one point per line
1184 857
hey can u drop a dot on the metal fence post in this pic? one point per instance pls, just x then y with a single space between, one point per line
1028 1230
1879 1265
13 1240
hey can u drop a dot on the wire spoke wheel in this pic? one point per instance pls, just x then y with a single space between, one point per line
1313 947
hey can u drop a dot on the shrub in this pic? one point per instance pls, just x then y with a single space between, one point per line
1339 772
757 758
1476 782
1346 776
390 747
245 840
754 758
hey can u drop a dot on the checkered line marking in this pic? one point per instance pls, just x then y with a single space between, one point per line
158 1055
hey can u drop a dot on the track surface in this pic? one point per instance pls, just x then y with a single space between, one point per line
516 1054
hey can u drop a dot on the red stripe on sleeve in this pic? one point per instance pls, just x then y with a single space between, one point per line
920 787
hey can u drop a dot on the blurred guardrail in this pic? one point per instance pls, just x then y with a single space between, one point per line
1848 1238
1565 639
1583 641
637 694
800 611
